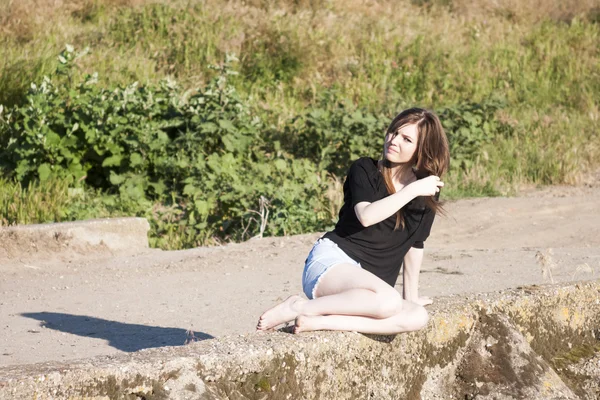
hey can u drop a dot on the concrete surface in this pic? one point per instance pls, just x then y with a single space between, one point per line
62 302
64 305
516 344
112 234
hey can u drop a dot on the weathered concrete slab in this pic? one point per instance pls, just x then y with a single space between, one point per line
114 234
534 343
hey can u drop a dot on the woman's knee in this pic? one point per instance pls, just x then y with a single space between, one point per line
418 318
388 303
412 318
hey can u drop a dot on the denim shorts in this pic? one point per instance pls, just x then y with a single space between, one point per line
324 255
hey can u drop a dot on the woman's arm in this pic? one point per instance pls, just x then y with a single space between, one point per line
371 213
410 274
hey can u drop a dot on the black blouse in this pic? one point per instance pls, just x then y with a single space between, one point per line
378 248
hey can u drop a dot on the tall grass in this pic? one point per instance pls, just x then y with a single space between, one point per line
55 200
39 202
378 54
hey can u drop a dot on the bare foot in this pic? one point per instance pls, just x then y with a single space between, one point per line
424 301
307 323
282 312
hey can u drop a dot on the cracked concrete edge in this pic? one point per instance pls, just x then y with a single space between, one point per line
113 234
551 319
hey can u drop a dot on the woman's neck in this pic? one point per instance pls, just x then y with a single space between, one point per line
402 173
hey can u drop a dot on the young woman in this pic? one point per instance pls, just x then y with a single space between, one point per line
388 210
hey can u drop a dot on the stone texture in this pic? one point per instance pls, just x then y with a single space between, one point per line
112 234
489 346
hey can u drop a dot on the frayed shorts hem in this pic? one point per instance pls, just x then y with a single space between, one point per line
324 255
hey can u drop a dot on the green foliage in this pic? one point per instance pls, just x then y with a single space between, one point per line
202 166
177 40
122 139
318 85
458 186
39 202
274 54
54 200
332 136
17 74
469 126
201 157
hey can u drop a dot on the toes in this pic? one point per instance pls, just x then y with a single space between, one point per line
259 326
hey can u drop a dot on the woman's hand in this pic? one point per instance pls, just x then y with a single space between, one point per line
427 186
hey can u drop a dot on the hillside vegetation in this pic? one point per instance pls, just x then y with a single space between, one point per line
221 121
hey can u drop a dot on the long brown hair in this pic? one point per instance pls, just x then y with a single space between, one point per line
432 155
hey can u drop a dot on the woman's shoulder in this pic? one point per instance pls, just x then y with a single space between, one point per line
367 163
365 170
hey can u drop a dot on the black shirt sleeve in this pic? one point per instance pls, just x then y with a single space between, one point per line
360 182
424 229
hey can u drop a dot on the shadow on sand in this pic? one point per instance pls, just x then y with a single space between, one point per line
122 336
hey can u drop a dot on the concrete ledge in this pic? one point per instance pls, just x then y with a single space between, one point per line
114 234
522 343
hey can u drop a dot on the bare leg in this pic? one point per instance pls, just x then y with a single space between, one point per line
412 317
348 290
343 290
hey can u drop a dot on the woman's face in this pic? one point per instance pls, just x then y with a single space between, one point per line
400 147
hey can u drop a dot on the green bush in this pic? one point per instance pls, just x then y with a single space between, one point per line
335 134
202 165
331 136
469 127
202 157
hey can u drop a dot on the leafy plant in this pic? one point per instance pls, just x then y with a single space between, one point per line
333 136
469 127
200 159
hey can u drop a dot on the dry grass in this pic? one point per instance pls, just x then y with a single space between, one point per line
527 11
334 196
547 263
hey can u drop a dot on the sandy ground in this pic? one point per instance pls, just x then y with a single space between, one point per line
67 306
